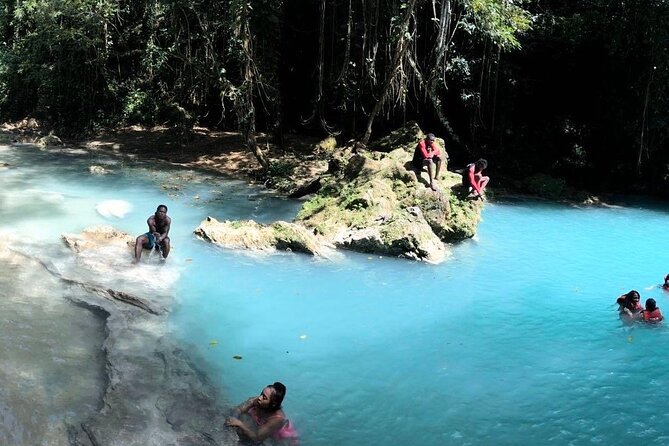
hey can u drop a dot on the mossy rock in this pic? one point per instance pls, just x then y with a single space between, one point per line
249 235
375 203
404 141
49 140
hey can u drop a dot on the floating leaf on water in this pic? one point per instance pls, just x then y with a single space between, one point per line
630 339
188 260
369 258
303 336
237 357
213 342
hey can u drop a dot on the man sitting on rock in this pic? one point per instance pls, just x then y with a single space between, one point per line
159 226
427 154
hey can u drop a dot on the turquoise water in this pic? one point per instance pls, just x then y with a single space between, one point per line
514 340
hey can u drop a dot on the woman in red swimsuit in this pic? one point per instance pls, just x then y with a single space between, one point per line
266 413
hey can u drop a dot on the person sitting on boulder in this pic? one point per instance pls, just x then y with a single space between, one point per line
427 154
159 227
652 313
267 419
472 177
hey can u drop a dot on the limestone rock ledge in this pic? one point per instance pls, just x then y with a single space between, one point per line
254 236
154 395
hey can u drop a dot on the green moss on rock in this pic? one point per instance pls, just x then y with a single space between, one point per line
373 202
250 235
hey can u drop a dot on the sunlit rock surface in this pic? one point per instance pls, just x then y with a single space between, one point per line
373 202
52 368
257 237
144 389
368 201
98 170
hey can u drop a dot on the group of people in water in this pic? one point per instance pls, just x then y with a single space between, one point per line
259 417
631 310
428 155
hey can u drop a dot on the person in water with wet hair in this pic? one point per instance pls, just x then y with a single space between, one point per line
665 285
267 419
629 305
652 313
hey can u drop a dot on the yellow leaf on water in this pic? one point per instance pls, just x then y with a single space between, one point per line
237 357
303 336
213 342
630 339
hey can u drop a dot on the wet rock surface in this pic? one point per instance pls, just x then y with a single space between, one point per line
149 392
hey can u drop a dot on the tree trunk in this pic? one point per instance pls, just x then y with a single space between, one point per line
400 53
245 108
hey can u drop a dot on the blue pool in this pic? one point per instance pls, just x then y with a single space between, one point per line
514 340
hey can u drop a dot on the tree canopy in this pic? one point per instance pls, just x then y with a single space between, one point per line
569 88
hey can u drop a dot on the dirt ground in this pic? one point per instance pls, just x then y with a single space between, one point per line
213 150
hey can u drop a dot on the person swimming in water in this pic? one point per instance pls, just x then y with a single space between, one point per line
665 285
652 313
267 416
629 305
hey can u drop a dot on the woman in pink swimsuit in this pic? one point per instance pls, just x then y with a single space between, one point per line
267 415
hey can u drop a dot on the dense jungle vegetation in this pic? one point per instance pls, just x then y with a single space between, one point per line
575 89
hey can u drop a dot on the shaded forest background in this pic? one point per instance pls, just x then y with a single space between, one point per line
575 89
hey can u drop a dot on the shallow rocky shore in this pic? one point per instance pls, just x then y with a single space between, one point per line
153 394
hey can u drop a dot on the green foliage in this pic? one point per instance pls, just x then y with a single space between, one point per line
500 20
139 107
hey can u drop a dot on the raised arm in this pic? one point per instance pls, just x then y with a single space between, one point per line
273 424
244 407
